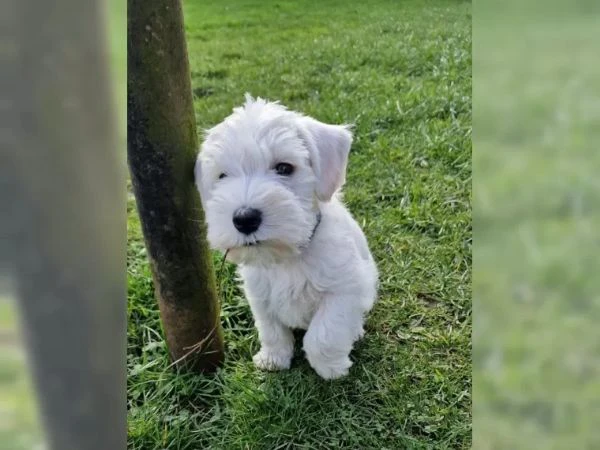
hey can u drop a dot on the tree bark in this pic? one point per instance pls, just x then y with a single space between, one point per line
161 151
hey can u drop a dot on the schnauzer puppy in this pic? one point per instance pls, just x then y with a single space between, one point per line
269 180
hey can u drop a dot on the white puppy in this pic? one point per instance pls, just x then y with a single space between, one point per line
269 180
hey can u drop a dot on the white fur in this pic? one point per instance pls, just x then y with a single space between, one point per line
324 283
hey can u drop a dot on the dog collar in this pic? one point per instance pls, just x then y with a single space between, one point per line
316 225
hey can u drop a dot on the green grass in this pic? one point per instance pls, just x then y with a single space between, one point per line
401 71
19 425
536 337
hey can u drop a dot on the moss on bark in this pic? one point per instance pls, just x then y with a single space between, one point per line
161 149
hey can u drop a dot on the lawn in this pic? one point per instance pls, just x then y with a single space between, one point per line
401 72
536 284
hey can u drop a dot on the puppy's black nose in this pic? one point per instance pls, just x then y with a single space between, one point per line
247 220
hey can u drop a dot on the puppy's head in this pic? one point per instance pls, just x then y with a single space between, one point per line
261 173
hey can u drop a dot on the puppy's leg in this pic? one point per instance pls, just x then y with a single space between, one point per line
330 336
276 342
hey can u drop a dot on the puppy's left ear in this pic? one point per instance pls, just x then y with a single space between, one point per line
329 146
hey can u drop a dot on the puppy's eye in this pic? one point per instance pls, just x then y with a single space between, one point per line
284 169
223 175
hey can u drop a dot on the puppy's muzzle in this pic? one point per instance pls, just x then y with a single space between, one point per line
247 220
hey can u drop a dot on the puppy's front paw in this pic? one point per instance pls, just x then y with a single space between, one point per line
332 369
268 359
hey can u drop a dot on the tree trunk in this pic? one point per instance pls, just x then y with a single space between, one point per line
161 151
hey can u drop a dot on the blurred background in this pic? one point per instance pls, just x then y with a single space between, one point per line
20 424
536 342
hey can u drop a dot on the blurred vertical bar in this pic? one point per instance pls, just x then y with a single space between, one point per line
63 206
536 339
